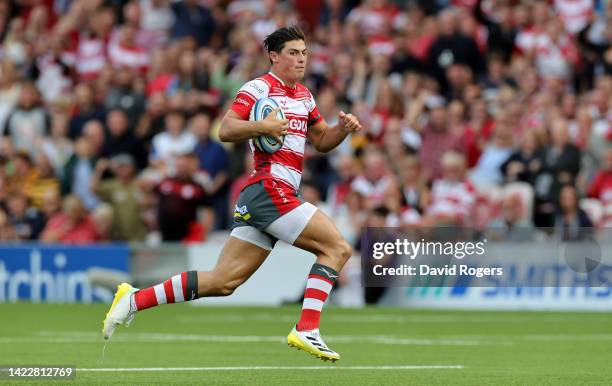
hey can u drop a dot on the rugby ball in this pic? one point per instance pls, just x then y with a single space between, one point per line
262 108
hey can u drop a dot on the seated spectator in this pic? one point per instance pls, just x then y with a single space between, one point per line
511 226
571 222
452 196
180 197
25 219
123 194
72 225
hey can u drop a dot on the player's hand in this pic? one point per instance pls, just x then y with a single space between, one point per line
274 126
349 122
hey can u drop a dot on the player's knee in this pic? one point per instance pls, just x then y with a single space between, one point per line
341 251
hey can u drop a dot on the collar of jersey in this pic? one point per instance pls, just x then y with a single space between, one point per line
283 83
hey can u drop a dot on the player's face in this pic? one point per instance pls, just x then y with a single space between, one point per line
291 62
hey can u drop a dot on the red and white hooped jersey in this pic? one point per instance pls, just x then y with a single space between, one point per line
299 107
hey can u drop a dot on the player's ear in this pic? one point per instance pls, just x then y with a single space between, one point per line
273 57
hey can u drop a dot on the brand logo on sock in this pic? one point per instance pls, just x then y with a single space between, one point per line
329 274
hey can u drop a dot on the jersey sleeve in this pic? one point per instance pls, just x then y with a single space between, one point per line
314 116
246 97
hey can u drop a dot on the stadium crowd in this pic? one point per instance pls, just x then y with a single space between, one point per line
476 113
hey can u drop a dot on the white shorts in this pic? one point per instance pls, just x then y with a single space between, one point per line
288 227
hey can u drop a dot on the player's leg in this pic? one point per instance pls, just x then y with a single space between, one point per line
241 256
310 229
323 239
238 260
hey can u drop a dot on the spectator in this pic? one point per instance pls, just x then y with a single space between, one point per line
58 147
123 194
436 139
76 178
193 20
601 186
124 95
28 123
157 19
72 225
511 226
7 232
488 169
452 196
451 47
213 160
524 163
96 134
571 222
561 166
413 187
180 197
124 51
121 140
172 141
26 220
374 180
86 110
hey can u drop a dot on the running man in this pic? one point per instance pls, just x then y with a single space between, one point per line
269 207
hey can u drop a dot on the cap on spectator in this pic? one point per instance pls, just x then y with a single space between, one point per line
122 159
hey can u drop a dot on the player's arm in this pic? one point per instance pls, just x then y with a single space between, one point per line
235 129
325 138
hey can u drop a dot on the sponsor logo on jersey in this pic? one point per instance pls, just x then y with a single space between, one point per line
297 125
258 89
242 101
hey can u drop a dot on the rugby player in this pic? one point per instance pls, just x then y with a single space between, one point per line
269 207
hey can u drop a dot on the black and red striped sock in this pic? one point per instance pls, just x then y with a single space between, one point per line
179 288
320 283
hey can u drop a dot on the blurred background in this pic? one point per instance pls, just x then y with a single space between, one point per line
492 113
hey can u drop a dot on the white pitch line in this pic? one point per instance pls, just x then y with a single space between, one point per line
75 336
246 368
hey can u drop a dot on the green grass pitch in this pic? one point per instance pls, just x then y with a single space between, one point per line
238 345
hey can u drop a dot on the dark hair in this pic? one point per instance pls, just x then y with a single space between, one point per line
277 39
